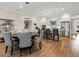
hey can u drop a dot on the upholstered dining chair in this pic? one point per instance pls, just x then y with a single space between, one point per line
38 41
8 41
25 41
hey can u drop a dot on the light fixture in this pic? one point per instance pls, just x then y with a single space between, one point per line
59 27
20 6
26 2
63 9
44 19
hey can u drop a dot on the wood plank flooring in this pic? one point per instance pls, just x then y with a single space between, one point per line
65 47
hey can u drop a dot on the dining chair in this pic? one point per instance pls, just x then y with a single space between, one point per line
1 38
42 33
25 41
8 41
38 41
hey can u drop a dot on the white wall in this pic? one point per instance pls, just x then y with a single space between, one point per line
19 20
6 14
75 22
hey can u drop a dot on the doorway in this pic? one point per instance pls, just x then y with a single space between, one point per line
65 28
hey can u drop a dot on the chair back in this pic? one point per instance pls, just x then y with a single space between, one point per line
41 33
48 31
25 39
7 38
38 39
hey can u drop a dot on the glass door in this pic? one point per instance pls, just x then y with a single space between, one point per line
65 28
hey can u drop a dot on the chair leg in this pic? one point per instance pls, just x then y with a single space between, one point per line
20 52
12 50
40 45
6 49
30 50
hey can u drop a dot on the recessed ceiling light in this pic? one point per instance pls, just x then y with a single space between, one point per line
63 9
44 19
20 6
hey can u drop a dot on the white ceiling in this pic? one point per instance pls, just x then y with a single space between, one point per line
43 9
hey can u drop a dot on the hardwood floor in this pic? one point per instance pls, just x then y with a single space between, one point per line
65 47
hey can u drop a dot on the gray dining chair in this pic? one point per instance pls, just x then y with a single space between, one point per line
8 41
38 41
25 41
